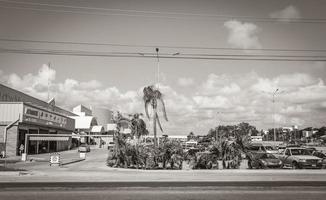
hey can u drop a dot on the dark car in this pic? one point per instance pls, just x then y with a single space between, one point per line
264 160
321 155
84 148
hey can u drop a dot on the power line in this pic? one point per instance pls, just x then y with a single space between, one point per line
159 14
160 46
137 55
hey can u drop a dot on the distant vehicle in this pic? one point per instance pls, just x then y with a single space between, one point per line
84 148
264 160
298 158
310 149
110 145
259 147
281 149
321 155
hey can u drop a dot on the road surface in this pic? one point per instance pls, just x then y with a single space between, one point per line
162 193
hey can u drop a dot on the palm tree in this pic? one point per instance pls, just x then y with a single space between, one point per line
151 97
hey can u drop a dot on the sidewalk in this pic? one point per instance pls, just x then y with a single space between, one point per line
40 161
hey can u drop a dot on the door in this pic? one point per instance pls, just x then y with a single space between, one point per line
286 159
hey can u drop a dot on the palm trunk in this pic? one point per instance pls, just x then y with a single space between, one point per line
154 128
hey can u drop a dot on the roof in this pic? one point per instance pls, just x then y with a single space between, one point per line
97 129
84 122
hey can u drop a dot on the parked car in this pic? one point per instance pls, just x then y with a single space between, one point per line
310 149
298 158
321 155
84 148
259 147
264 160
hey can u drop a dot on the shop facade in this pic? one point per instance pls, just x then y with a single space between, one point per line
37 124
32 121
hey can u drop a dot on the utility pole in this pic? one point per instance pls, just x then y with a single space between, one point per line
49 66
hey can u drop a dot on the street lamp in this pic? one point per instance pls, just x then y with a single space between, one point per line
274 93
217 135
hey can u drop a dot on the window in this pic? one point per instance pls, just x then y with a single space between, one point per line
300 152
254 148
31 112
287 152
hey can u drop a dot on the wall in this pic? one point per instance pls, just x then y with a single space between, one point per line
104 116
11 139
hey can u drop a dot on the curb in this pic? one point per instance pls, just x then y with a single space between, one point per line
165 184
71 162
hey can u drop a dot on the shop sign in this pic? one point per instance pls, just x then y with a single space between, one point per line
43 117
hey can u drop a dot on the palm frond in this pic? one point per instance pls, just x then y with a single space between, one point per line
163 109
158 122
146 109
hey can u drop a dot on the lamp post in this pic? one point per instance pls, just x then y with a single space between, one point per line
274 94
217 135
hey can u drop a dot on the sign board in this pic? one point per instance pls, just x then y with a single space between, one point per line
42 117
55 159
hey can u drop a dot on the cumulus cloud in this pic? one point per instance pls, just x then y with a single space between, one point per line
184 82
218 99
242 34
287 14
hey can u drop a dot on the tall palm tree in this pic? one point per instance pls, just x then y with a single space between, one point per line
151 98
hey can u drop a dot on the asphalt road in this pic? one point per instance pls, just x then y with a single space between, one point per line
189 193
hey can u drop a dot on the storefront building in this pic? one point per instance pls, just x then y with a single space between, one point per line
41 127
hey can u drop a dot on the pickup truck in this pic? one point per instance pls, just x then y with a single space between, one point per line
298 158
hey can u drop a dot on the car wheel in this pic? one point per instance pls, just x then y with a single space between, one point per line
295 165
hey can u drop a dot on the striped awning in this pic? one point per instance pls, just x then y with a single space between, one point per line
49 138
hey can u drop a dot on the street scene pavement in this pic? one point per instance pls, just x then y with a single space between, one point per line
94 169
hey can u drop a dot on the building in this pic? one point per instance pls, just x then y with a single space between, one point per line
40 126
91 124
103 116
82 110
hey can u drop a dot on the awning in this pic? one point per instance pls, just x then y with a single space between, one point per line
48 138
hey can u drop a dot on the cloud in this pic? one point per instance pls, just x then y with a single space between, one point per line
287 14
242 34
212 102
218 99
184 82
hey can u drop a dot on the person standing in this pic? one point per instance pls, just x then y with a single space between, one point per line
21 149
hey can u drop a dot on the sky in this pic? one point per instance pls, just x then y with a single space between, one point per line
199 94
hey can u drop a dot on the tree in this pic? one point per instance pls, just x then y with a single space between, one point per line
232 141
151 98
191 136
138 126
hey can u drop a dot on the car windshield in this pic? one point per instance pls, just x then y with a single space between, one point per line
268 156
269 148
300 152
